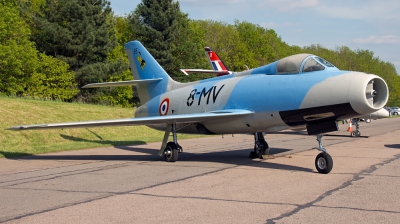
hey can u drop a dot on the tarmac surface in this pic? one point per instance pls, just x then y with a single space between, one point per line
213 181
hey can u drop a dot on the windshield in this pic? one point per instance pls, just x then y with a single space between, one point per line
312 65
324 62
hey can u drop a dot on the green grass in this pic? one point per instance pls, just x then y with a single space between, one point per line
15 111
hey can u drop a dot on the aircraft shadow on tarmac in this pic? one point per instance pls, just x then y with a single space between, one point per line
10 155
234 157
347 136
305 133
101 141
394 146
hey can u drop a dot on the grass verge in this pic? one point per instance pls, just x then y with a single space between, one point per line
15 111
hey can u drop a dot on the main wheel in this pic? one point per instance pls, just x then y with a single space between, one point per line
266 151
171 152
324 163
260 148
253 155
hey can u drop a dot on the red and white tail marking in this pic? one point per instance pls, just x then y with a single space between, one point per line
216 63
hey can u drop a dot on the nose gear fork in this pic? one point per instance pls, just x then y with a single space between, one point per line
320 147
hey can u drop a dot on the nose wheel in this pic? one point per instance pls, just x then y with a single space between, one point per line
323 161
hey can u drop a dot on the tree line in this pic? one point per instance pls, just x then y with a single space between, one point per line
49 49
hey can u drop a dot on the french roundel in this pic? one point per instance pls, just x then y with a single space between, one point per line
164 106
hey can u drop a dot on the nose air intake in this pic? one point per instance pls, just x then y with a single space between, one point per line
367 93
376 93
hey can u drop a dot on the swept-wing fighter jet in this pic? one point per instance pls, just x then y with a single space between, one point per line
302 90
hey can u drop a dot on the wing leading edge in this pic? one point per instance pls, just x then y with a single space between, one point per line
220 115
122 83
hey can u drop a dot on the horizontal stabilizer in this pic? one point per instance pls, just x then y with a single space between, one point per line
220 115
204 71
122 83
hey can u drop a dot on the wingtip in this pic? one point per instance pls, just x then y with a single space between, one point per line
16 128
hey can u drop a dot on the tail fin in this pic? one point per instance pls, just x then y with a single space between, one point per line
216 63
145 67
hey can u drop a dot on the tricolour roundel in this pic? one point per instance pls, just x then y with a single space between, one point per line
164 106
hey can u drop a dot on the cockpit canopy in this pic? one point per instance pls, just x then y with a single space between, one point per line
299 63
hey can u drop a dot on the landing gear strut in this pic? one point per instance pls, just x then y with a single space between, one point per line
172 149
323 161
357 132
260 146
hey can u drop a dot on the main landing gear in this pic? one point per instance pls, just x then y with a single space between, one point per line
260 146
357 132
172 149
323 161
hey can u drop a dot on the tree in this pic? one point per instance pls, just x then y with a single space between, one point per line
23 71
51 80
17 53
82 34
124 95
155 24
76 31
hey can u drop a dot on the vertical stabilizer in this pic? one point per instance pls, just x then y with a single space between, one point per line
144 66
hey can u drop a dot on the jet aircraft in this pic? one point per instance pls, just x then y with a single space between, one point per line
299 91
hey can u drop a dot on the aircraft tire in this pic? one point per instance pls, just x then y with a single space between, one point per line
171 152
358 133
260 149
324 163
253 155
353 134
266 151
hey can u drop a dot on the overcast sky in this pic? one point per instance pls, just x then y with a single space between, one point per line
359 24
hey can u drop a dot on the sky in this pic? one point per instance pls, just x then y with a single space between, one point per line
358 24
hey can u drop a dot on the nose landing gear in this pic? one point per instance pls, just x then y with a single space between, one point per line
323 161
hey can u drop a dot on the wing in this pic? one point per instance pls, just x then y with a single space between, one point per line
122 83
221 115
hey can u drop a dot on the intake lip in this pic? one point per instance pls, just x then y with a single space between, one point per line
370 96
